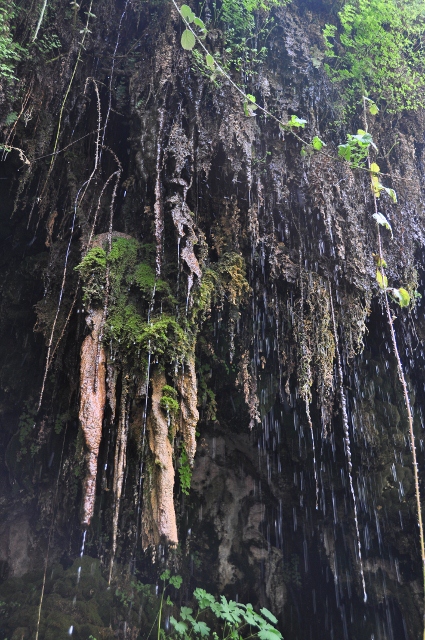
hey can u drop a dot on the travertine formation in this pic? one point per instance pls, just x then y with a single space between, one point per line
92 404
159 517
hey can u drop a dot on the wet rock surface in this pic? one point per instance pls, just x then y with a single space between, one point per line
245 239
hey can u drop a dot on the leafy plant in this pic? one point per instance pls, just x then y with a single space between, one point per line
215 618
356 149
377 44
11 52
185 470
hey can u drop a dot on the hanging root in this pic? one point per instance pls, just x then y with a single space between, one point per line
347 441
305 378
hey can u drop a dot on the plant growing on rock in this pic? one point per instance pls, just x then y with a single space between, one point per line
215 618
377 44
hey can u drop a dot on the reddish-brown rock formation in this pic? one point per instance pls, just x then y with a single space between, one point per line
159 517
92 405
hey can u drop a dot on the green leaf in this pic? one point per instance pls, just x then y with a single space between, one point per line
381 219
373 109
199 23
201 628
381 280
187 13
374 168
295 121
303 152
249 107
317 143
269 633
185 612
188 40
267 614
165 576
180 627
204 599
392 194
344 150
401 296
210 61
176 581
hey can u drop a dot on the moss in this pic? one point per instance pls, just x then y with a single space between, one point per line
168 401
92 270
132 282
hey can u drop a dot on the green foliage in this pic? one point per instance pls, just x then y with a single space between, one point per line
11 52
48 44
169 402
356 149
233 620
245 26
11 118
92 270
185 470
294 121
132 282
377 45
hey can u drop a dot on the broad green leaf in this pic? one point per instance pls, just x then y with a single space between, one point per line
374 168
404 297
210 61
295 121
165 575
188 40
180 627
267 614
373 109
199 23
230 611
269 633
204 599
317 143
187 13
201 628
381 219
344 151
391 193
381 280
251 98
249 108
185 612
176 581
303 152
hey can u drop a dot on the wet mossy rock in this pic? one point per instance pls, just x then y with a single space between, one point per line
179 279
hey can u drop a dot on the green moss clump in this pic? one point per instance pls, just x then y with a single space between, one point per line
168 401
129 272
92 270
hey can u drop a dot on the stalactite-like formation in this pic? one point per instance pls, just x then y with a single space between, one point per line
119 469
92 405
189 414
159 517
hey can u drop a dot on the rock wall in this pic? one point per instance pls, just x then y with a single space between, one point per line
237 242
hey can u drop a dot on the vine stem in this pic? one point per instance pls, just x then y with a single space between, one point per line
402 379
412 439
